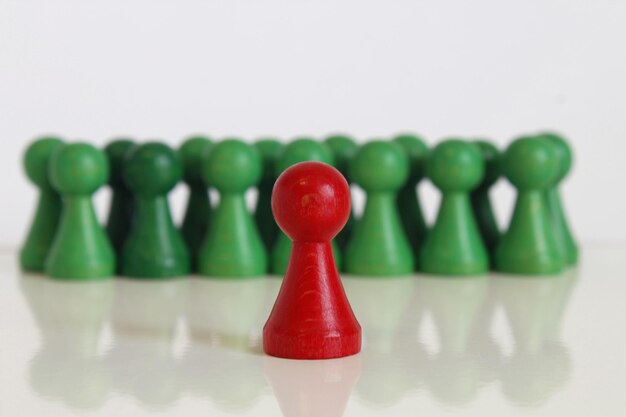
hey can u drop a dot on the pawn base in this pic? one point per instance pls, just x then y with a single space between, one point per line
311 346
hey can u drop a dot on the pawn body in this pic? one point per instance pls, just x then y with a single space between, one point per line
81 249
529 246
299 150
343 149
263 217
562 231
197 219
312 318
45 222
454 245
407 200
154 247
233 246
481 203
379 245
122 206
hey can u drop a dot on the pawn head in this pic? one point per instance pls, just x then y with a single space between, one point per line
191 154
37 159
78 169
380 166
269 149
343 149
311 202
152 169
232 166
456 165
116 152
531 163
564 152
493 162
417 152
301 150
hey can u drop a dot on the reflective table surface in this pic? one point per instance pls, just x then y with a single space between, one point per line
433 346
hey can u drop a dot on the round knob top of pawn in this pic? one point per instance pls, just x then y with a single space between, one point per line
152 169
531 163
417 151
564 153
301 150
311 202
232 166
269 149
456 165
116 152
380 166
492 158
343 149
37 159
78 168
192 154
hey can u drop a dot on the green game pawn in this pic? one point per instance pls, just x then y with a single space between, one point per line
379 245
408 202
299 150
233 247
564 237
454 245
154 247
81 249
343 149
197 219
263 217
44 226
530 246
122 204
481 203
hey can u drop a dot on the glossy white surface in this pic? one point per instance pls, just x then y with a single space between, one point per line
491 346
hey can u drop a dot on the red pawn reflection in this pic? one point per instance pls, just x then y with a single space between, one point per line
312 318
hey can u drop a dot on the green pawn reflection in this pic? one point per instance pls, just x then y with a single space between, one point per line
343 149
408 202
154 247
44 225
454 245
81 249
563 235
122 205
299 150
481 203
233 246
263 217
529 246
197 219
379 245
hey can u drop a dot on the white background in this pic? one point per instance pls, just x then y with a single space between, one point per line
165 69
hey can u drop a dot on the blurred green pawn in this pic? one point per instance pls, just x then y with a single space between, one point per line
122 206
481 203
407 200
379 245
45 222
233 247
454 245
263 217
81 249
343 149
530 246
197 219
154 247
299 150
562 231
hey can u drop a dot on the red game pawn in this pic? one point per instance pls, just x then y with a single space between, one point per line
312 318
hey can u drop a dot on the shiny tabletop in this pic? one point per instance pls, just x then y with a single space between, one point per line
485 346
